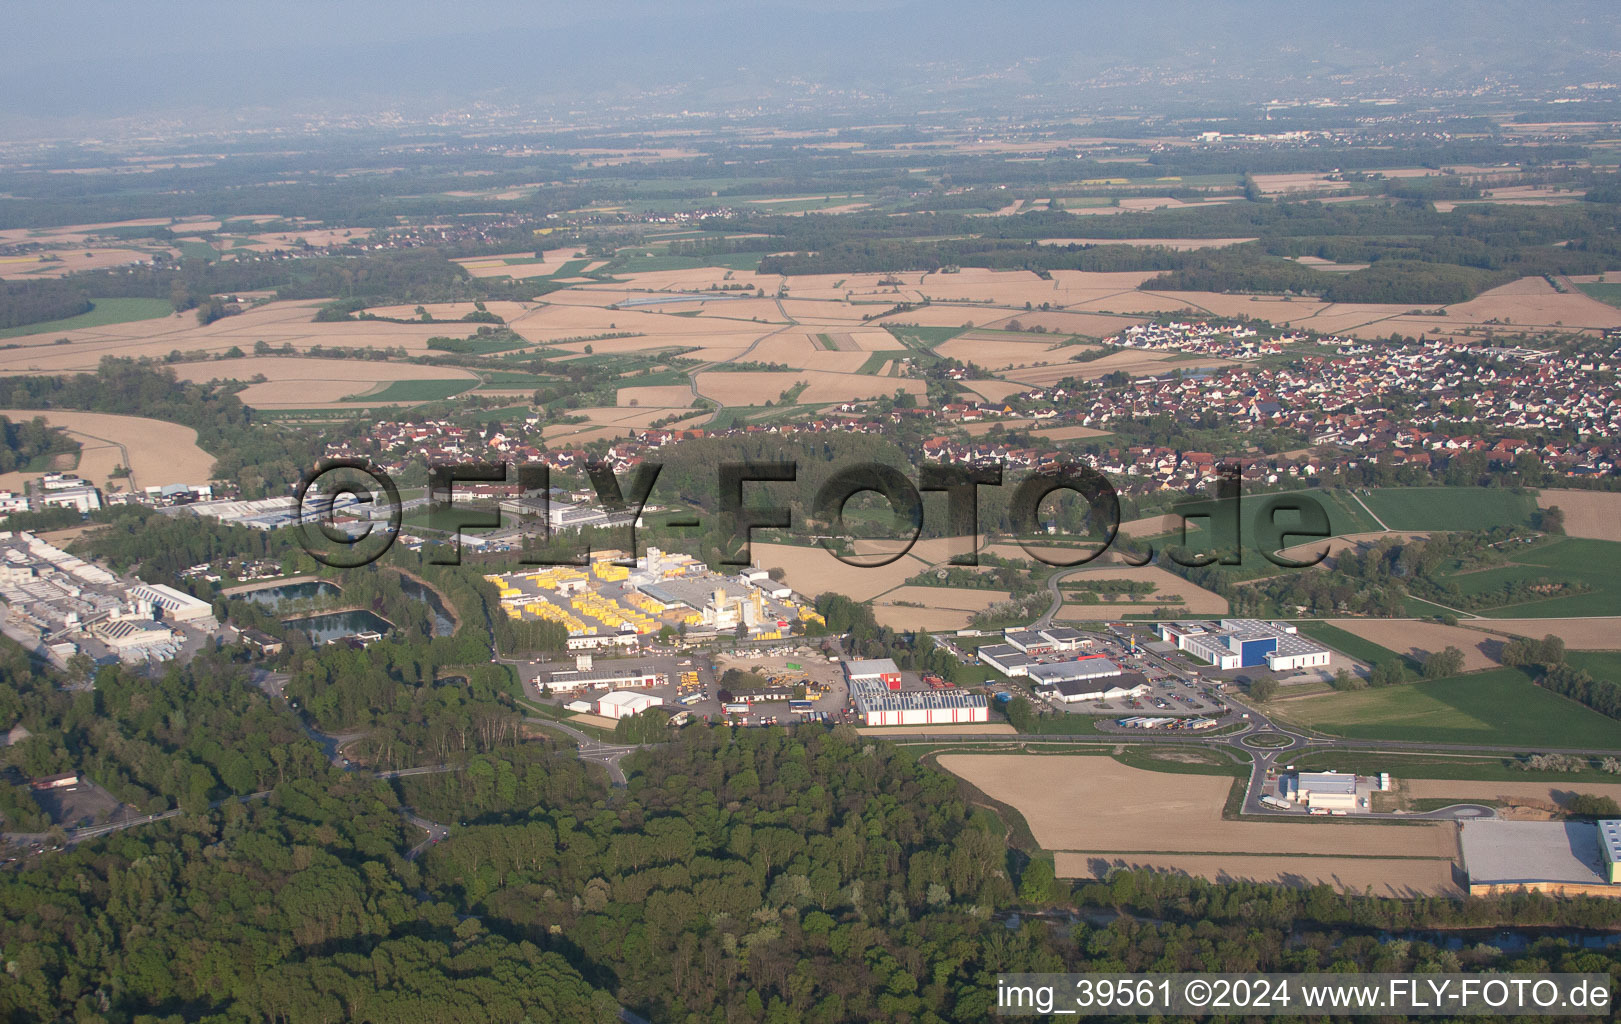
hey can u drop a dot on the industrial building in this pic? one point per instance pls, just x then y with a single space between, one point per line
1028 641
1609 835
1245 643
1334 791
609 603
1096 667
1100 688
575 680
51 596
1562 858
881 671
625 703
1006 659
1046 641
1063 639
876 704
174 605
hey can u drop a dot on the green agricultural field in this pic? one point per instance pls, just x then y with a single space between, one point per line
736 260
1450 508
1252 509
1414 765
1594 563
924 337
1606 292
1343 510
1598 664
641 263
1501 707
102 313
195 250
411 391
876 360
514 378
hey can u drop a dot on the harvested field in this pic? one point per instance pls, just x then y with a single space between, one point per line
582 433
666 396
1091 802
454 311
1152 526
1598 633
863 339
811 571
734 388
993 390
1167 586
1461 790
956 598
1384 875
999 352
976 729
67 261
1067 433
935 620
1135 203
1139 364
1338 545
1058 553
981 289
1419 638
1091 325
1592 514
155 451
800 350
276 323
301 383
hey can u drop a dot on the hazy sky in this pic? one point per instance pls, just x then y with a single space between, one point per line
82 59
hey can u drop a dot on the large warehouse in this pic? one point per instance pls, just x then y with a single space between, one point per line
174 605
624 703
878 705
1006 659
1562 858
1095 667
1334 791
1246 643
572 680
1129 684
882 671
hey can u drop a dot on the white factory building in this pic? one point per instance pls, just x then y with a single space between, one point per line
1241 643
876 704
1334 791
1070 691
1045 641
573 681
625 703
176 606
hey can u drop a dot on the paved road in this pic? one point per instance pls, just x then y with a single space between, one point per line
594 750
435 832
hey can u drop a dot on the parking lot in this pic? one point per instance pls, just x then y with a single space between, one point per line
1174 690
